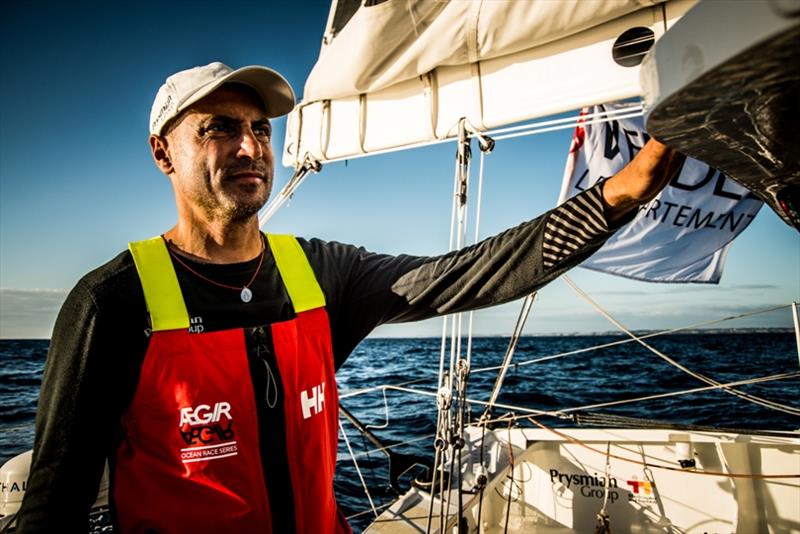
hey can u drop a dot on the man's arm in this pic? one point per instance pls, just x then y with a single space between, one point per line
365 289
641 180
67 456
89 377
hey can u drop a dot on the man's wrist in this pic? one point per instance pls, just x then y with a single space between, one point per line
617 205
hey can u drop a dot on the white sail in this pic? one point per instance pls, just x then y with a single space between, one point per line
399 74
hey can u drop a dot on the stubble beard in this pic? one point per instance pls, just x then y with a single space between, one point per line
232 203
243 211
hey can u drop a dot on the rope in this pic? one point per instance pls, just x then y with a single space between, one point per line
575 441
796 320
596 418
444 392
511 475
624 341
356 392
386 448
358 470
309 165
365 512
479 202
620 421
452 434
527 304
770 378
603 525
746 396
564 411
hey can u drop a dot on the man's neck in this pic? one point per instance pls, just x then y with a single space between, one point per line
217 242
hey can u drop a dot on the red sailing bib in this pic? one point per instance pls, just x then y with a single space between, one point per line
190 461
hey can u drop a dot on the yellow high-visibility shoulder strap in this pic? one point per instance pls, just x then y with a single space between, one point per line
296 273
160 284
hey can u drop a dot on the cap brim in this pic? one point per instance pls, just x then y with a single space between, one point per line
273 88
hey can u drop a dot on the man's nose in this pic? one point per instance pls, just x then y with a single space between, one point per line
250 146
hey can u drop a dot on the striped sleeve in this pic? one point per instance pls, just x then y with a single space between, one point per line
573 225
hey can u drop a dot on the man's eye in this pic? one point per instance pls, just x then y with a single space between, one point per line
218 128
262 131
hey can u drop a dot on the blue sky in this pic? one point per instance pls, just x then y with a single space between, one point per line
77 181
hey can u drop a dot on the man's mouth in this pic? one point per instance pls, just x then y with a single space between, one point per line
247 177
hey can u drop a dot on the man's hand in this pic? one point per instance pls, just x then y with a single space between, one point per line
641 179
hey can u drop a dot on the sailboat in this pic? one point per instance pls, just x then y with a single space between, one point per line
397 76
402 75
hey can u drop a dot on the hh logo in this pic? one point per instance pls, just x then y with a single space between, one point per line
313 402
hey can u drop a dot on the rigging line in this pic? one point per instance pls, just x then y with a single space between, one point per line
522 318
511 474
638 40
624 422
401 387
443 401
450 247
563 412
608 478
770 378
442 350
576 441
796 326
365 512
478 203
461 421
437 441
607 418
623 341
447 430
531 411
463 167
534 131
362 391
746 396
482 478
309 165
385 414
607 113
358 469
387 448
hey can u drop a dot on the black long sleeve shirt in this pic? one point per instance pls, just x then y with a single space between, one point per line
102 332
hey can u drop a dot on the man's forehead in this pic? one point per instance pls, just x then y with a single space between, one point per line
231 100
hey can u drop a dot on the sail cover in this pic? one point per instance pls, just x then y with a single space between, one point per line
398 73
683 235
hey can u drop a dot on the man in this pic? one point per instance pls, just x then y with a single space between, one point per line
201 363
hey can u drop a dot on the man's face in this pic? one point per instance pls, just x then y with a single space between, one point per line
221 154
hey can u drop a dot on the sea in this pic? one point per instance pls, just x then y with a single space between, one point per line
548 373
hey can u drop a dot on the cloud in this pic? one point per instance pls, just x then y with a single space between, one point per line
29 313
627 292
755 286
695 288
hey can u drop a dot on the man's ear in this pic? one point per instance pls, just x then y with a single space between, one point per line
158 147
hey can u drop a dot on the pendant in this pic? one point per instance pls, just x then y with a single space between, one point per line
246 294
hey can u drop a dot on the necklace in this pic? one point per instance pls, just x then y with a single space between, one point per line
245 292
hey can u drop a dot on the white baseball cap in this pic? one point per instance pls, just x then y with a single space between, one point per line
186 87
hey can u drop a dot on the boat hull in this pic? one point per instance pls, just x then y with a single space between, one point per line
559 483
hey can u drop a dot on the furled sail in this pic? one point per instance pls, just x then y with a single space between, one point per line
398 74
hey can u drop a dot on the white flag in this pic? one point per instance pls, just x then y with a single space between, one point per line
682 235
